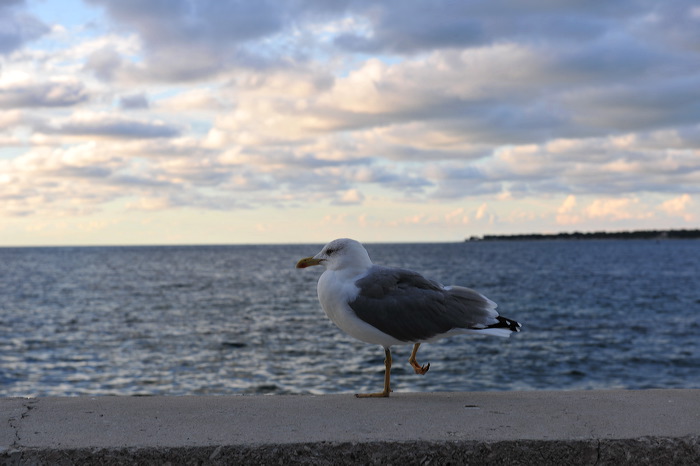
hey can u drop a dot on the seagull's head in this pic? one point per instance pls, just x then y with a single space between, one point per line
339 254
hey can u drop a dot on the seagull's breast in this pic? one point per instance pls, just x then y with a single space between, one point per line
335 290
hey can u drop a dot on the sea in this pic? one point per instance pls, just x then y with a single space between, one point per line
228 320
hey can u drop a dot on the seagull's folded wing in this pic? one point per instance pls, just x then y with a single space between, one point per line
411 308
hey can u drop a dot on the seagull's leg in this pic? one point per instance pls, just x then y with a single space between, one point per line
414 364
387 376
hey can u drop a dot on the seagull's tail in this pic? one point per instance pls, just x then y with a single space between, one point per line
503 328
504 322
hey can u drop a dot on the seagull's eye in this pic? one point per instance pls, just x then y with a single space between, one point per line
329 251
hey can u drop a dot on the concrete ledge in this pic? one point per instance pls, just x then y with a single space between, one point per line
571 427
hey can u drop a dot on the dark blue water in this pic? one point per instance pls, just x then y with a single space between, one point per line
241 319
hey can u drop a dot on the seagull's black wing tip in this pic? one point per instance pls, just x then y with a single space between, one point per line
504 322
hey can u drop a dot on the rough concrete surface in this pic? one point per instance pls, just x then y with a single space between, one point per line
538 427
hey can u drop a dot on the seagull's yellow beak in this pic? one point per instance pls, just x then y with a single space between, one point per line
308 262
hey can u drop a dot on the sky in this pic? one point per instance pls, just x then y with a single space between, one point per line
255 121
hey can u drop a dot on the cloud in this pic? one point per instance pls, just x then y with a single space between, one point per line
181 21
629 210
457 217
679 206
567 113
481 212
549 80
91 124
403 29
350 197
612 209
134 101
204 100
6 141
211 34
105 63
56 183
411 27
81 179
20 91
17 27
10 118
566 214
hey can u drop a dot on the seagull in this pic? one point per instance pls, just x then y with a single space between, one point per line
390 306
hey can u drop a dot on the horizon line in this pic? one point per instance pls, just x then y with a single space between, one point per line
472 238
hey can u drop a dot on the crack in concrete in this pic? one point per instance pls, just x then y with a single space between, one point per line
16 423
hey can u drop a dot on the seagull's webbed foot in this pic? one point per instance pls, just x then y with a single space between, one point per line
387 383
421 369
414 364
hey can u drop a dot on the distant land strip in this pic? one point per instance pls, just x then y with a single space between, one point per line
640 234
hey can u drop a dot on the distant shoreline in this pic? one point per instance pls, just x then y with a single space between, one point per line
640 234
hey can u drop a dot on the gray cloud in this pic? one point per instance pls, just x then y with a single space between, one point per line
112 127
186 40
410 34
134 101
415 26
183 21
105 63
42 94
639 106
585 47
17 27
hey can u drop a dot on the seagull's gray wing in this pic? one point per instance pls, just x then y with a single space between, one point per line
411 308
